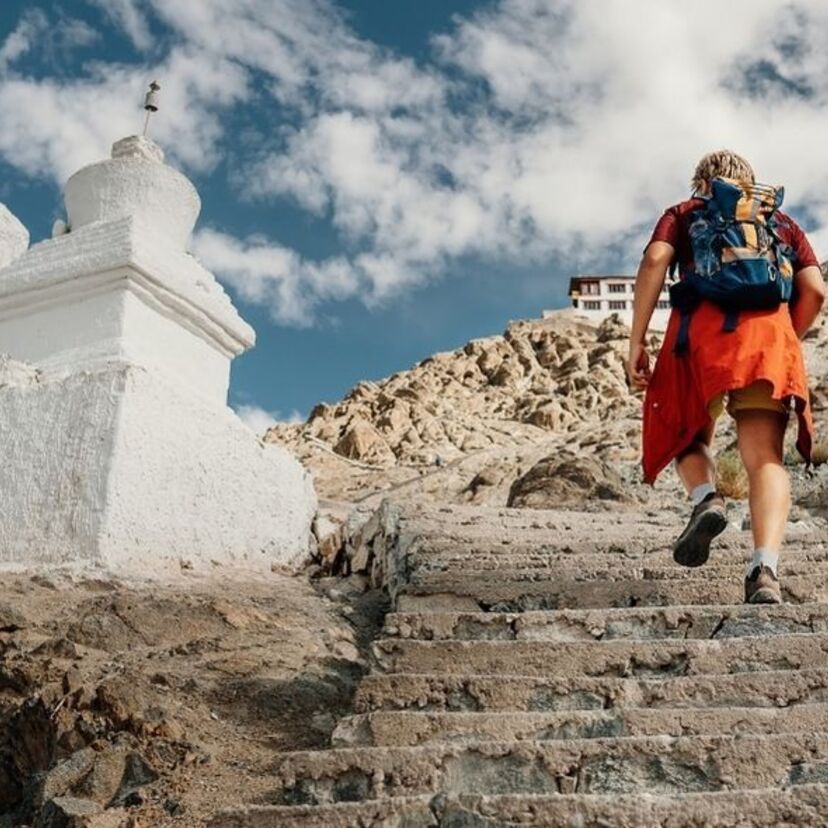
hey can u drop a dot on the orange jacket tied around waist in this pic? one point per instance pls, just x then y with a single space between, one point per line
764 346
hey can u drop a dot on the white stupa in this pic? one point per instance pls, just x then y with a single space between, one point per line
117 448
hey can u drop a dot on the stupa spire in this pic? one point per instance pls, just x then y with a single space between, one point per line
151 104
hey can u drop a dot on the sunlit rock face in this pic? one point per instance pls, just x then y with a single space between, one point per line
120 450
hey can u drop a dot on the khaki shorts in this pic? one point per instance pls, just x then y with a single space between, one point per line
755 397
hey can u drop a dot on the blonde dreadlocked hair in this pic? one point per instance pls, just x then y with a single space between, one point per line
723 164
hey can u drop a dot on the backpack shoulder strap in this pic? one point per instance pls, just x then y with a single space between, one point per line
731 320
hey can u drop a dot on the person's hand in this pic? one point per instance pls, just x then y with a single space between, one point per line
638 365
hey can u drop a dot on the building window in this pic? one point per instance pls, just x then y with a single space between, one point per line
615 304
616 288
663 304
591 305
590 288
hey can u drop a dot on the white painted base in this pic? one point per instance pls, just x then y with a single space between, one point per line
116 469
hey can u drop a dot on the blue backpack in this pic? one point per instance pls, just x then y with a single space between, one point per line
739 261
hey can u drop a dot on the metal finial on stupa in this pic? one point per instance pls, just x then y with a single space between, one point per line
151 102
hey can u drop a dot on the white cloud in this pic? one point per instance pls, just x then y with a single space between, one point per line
589 125
52 127
54 37
128 15
269 274
305 49
259 420
74 34
536 132
21 39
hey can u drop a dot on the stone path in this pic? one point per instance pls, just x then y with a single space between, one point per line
556 669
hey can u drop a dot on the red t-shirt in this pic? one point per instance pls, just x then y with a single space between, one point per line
673 228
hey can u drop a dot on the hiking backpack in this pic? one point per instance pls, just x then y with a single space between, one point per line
739 261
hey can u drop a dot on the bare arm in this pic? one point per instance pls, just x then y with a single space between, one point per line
648 285
809 292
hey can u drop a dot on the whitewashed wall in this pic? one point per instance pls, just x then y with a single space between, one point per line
118 448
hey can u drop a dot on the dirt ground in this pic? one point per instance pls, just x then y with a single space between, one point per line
166 703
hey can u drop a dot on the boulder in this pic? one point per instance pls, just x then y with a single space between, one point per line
549 415
575 362
104 774
365 390
68 812
11 619
321 411
612 328
489 360
508 373
488 477
394 418
565 479
330 538
122 700
364 443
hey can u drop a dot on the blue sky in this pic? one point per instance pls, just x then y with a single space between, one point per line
382 180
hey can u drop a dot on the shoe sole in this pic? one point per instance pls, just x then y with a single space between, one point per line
694 549
765 596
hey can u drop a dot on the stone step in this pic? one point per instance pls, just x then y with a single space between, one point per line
453 558
459 523
481 591
561 664
464 692
634 542
390 812
652 765
702 621
401 728
659 658
640 570
791 561
608 571
459 518
761 808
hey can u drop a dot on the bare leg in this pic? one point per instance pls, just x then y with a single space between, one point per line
695 466
760 434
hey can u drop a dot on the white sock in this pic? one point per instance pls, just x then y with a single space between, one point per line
701 492
763 557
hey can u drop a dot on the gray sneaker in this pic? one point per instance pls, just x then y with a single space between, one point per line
762 587
708 520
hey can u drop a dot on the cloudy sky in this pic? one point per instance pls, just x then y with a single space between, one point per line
382 179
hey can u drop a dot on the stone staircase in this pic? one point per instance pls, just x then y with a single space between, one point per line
557 669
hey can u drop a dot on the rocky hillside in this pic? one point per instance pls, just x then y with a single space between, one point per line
539 416
469 418
465 425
